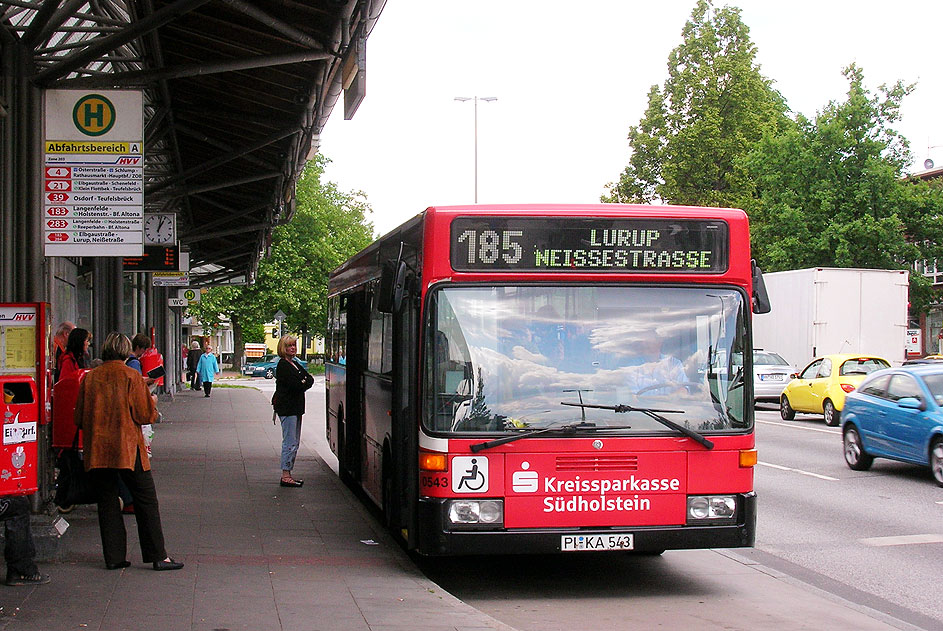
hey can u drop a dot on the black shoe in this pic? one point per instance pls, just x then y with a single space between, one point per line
290 482
206 396
27 579
118 566
167 565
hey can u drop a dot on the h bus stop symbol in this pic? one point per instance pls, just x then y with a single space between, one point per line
94 115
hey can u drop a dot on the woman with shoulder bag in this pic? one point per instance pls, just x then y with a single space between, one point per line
291 383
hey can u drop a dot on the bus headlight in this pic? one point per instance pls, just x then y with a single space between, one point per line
478 512
714 508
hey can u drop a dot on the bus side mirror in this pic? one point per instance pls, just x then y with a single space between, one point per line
392 286
761 302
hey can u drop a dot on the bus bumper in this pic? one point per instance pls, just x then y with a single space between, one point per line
435 538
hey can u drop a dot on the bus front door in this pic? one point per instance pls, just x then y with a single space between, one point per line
404 473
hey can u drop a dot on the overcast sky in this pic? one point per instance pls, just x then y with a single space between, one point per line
571 78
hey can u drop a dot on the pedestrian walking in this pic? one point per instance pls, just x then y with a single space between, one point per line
207 368
291 383
193 358
112 405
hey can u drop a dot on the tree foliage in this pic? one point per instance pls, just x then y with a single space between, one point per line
824 192
328 226
831 192
714 106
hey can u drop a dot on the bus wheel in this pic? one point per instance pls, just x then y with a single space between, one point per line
831 414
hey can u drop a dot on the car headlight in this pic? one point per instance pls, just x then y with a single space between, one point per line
711 508
476 513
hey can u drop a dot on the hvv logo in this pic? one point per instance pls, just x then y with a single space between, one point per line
524 481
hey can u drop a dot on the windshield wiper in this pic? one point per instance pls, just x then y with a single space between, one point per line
570 428
651 413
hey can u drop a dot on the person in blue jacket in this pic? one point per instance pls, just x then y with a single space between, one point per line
207 368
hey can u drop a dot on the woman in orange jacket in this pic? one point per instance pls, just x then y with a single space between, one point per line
112 405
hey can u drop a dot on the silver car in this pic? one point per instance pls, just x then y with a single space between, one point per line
771 373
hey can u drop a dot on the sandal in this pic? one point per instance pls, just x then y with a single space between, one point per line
291 482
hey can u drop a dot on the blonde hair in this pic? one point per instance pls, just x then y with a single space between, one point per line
284 341
116 346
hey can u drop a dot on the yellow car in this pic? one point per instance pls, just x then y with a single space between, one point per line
821 386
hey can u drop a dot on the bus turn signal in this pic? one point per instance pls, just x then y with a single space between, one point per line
748 458
430 461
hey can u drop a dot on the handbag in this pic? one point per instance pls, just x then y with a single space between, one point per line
72 484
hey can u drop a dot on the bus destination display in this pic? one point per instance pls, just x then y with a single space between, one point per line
566 244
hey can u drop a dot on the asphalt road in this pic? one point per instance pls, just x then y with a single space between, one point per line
873 536
869 542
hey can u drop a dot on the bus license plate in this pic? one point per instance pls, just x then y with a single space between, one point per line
593 541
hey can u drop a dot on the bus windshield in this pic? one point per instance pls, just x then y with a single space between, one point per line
504 359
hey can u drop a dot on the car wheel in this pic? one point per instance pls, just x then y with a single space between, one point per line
831 414
269 373
785 410
936 460
855 455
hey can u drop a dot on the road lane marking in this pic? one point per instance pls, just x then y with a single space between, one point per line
794 426
902 540
800 471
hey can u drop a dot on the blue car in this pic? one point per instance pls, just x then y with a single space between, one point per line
265 367
896 413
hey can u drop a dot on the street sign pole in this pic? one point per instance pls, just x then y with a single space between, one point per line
280 318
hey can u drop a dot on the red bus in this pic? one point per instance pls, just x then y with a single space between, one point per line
552 378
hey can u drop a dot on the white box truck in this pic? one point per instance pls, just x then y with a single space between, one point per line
825 310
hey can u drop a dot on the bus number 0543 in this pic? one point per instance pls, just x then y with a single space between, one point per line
489 245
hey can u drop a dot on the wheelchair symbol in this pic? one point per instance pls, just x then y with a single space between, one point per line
470 475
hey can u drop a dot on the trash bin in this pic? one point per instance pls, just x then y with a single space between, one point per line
18 453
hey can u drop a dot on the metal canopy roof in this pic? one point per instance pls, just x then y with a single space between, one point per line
236 93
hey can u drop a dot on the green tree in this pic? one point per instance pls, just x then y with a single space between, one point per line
831 192
328 226
712 109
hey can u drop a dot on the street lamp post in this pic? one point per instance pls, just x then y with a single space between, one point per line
476 99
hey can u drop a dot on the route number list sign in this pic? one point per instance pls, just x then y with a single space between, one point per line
93 177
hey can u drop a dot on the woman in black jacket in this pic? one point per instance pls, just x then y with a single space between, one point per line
291 383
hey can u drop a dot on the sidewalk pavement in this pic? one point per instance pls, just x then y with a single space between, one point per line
258 556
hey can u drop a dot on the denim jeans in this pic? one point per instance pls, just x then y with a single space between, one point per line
291 437
19 550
